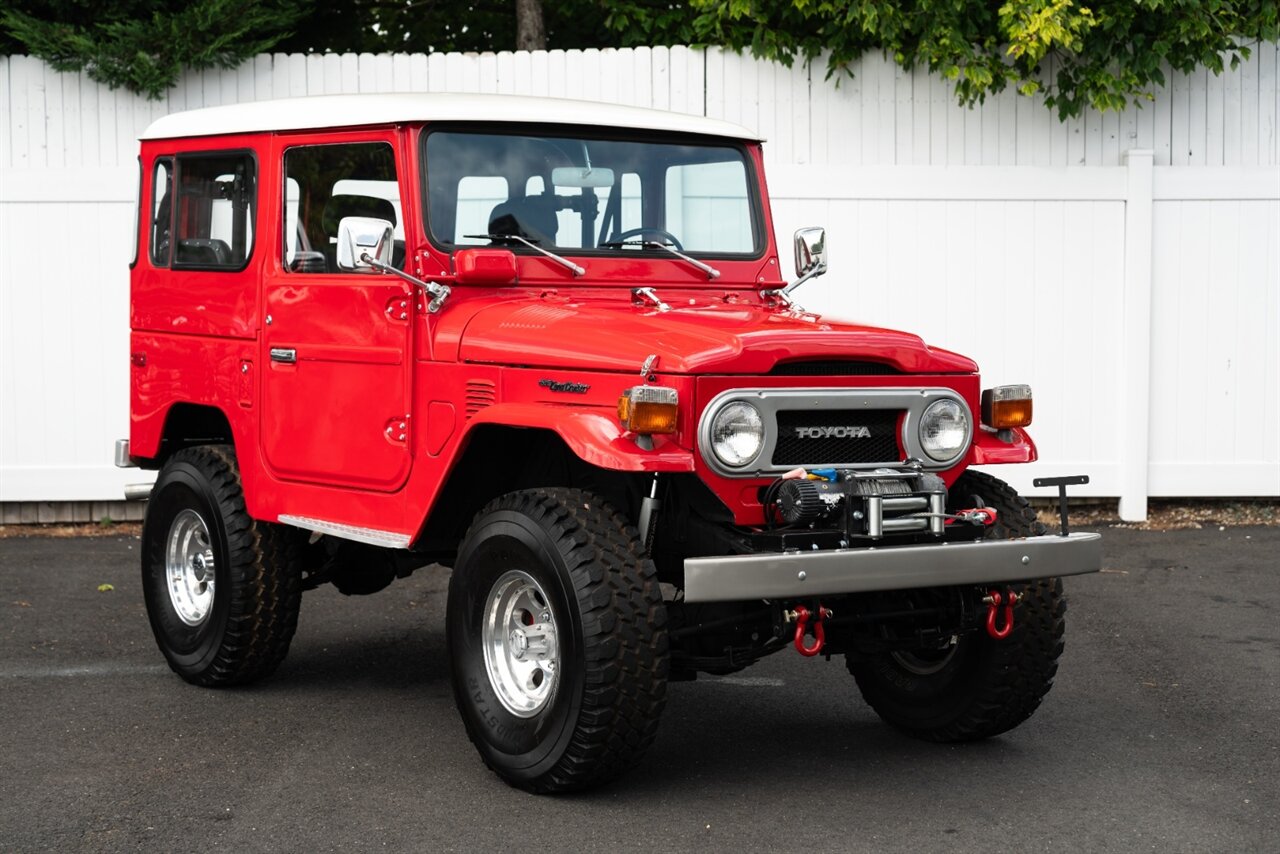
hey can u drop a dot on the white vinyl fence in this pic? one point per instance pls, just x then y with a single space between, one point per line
1126 265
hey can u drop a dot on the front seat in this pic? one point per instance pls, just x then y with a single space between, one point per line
532 217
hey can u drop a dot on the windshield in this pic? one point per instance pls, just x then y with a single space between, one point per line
574 193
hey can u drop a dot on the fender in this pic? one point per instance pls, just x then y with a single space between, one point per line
594 436
185 422
170 372
989 450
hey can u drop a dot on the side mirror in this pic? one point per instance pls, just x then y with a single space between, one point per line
360 236
485 266
811 252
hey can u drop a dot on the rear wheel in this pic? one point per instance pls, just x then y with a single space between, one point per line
222 589
979 686
557 638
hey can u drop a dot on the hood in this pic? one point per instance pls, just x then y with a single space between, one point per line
614 335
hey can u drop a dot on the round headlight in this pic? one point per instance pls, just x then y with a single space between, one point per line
737 433
944 428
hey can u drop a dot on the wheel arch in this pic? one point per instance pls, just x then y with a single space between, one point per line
187 425
494 459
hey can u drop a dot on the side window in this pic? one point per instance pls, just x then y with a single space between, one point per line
216 196
161 212
324 184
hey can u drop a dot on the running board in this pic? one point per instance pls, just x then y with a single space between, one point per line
371 536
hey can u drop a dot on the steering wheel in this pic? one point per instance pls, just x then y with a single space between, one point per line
643 230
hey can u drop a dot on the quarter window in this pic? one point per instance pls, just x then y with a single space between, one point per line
161 212
216 197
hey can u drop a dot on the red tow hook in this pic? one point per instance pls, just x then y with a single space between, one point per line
993 600
802 615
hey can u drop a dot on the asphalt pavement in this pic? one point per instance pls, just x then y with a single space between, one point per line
1161 733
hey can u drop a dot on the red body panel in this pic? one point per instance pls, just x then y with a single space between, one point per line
382 398
702 333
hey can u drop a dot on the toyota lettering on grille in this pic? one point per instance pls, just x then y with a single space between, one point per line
858 432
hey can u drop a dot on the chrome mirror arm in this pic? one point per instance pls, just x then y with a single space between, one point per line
784 293
439 293
781 295
811 262
812 274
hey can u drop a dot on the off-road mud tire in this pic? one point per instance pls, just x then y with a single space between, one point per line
611 624
257 592
987 686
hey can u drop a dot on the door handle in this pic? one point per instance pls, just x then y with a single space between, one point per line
287 355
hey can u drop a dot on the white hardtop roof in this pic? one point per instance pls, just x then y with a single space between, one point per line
343 111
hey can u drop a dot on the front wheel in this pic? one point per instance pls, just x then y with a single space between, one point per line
979 686
557 639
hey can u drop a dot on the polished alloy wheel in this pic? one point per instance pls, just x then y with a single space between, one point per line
189 568
521 653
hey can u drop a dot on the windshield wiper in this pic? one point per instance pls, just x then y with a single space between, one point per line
563 262
712 272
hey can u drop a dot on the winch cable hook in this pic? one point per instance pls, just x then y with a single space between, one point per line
819 632
985 516
993 600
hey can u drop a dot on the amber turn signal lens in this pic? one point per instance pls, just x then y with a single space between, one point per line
1006 406
649 409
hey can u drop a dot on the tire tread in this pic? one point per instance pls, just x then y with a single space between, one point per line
263 561
624 635
1024 665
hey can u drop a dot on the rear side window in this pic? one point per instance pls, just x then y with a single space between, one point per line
161 212
215 201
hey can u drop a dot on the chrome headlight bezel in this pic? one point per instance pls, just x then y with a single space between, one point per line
745 412
948 408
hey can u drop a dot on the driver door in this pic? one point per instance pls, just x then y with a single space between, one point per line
337 378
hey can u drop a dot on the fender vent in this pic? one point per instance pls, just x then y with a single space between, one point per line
480 393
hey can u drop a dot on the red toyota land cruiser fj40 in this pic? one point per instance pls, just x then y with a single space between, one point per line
546 343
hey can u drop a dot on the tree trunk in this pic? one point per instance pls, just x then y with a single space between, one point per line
531 33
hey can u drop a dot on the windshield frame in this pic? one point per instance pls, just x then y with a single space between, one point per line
755 198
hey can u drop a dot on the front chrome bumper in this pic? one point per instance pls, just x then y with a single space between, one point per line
803 574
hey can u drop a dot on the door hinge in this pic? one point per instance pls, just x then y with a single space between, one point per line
397 430
397 308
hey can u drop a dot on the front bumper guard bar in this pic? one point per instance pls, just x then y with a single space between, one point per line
803 574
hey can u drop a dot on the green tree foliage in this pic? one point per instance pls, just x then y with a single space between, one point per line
429 26
1099 53
144 45
1105 52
